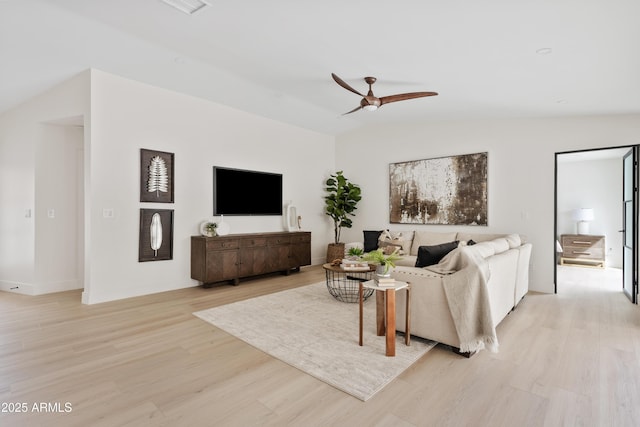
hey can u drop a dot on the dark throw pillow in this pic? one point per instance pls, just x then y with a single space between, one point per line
430 255
471 242
371 240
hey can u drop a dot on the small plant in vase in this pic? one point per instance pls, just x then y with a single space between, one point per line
355 253
210 229
383 261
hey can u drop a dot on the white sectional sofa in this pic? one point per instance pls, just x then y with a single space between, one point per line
502 264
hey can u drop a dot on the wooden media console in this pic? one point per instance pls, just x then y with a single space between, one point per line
234 256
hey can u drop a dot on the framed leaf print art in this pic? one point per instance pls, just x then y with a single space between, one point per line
156 176
156 235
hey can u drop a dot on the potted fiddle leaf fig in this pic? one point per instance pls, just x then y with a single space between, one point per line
340 203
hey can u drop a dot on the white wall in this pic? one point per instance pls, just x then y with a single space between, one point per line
521 170
23 133
37 173
593 184
128 116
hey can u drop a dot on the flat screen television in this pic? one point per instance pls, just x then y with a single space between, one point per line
245 192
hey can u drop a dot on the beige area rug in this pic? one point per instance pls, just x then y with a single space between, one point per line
308 329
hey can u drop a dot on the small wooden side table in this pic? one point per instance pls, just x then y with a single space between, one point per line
386 313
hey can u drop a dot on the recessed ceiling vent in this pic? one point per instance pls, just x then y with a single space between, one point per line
190 7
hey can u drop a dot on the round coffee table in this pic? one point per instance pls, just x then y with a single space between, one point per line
344 285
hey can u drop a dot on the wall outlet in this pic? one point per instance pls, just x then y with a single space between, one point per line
51 213
108 213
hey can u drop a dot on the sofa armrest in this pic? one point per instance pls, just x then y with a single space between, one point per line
430 314
522 278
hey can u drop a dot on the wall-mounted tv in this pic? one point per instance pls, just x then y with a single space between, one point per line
245 192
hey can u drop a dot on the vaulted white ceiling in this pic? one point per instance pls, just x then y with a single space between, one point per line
275 58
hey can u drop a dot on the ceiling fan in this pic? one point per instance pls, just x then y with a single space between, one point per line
370 102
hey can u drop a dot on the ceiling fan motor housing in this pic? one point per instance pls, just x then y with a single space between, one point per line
370 101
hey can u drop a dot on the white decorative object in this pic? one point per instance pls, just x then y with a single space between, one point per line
155 233
158 178
291 217
223 228
583 216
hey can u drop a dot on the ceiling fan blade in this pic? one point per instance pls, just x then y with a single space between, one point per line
345 85
405 96
359 107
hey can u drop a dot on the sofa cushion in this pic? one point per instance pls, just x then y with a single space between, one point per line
371 240
407 261
514 240
428 238
484 249
478 237
430 255
499 245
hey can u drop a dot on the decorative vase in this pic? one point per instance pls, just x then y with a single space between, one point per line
382 271
223 227
291 217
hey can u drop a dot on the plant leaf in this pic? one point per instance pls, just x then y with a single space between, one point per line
158 176
155 233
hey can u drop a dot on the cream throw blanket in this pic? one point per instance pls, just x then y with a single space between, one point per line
466 274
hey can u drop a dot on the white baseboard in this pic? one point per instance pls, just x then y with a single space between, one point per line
17 287
59 286
39 289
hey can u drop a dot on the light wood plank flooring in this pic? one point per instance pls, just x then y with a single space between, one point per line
566 359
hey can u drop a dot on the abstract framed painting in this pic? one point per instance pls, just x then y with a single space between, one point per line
446 190
156 235
156 176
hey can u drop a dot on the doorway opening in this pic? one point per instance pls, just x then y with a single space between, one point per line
590 220
60 192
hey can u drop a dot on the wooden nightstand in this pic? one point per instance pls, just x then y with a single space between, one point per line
582 249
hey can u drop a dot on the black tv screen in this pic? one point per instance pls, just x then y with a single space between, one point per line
244 192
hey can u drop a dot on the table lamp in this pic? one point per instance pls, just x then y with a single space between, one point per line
583 216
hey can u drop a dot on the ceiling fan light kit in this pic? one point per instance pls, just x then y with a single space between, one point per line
370 102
